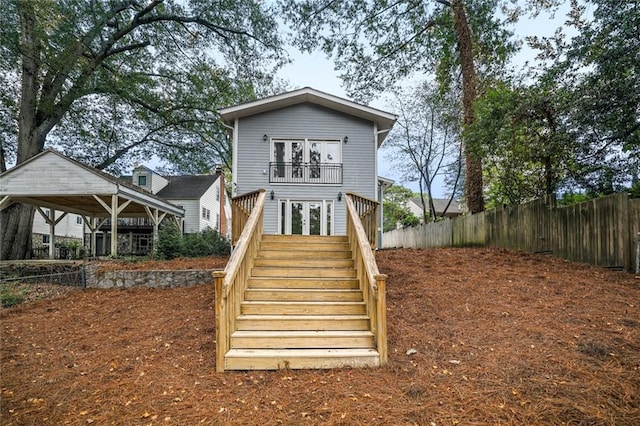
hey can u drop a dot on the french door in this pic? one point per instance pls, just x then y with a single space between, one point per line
306 217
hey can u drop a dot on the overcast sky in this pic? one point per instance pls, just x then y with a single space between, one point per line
316 71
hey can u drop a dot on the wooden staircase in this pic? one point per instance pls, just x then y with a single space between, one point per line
302 308
300 302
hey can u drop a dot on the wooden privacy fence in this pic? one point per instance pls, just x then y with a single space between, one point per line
602 232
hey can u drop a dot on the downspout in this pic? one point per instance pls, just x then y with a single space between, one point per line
234 158
379 187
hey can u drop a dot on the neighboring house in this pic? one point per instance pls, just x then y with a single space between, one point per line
68 232
415 206
202 197
307 149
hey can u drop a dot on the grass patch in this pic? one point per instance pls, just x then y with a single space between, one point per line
11 295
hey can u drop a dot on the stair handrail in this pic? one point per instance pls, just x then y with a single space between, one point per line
363 238
241 208
231 283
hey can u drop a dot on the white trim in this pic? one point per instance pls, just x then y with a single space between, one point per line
305 213
234 153
375 162
309 95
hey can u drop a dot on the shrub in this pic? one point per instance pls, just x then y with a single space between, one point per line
10 296
172 244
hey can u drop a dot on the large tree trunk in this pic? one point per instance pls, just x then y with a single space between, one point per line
16 222
474 185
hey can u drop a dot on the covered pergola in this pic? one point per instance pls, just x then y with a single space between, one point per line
63 185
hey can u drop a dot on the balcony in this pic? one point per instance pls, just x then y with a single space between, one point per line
304 173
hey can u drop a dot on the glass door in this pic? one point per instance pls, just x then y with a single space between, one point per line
305 217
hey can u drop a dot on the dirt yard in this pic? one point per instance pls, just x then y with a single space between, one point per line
476 337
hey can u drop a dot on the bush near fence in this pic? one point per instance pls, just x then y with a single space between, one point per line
602 232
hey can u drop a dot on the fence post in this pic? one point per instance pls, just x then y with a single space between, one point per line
638 253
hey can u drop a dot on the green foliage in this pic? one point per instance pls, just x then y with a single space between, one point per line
172 244
377 43
571 198
118 82
525 147
395 210
10 296
598 74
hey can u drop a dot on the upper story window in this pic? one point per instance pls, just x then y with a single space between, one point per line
142 180
305 161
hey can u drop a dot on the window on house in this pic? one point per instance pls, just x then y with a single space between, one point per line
206 213
45 239
217 193
142 180
306 161
218 221
79 220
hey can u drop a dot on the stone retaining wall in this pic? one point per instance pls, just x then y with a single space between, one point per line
152 279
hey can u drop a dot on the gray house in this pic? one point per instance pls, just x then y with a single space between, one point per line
307 149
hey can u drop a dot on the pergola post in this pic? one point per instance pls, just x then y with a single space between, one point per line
114 225
52 234
52 222
93 228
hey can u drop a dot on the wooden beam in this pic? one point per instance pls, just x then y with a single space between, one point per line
57 221
123 206
5 202
103 204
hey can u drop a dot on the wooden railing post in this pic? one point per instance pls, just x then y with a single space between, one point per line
381 317
222 344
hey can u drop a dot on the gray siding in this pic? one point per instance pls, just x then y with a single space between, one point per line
306 121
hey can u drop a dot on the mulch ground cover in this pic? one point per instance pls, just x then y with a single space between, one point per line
476 337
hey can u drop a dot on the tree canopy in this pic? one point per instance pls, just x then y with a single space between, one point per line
113 82
575 126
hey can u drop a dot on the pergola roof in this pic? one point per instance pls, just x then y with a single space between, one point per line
52 180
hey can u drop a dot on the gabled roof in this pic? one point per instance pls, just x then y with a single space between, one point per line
187 187
384 120
50 179
440 204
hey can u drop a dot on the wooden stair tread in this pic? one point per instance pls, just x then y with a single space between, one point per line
303 317
301 294
303 283
292 262
301 333
274 359
298 251
305 238
302 272
302 322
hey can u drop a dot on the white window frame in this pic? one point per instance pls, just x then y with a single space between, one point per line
323 213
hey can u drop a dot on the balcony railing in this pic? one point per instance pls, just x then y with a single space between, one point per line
323 173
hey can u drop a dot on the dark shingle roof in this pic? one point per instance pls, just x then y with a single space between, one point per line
187 187
440 204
